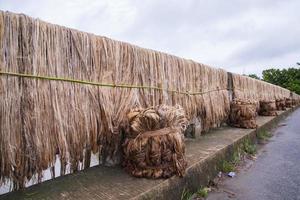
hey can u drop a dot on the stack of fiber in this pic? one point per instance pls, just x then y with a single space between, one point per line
288 102
280 104
154 145
243 113
267 108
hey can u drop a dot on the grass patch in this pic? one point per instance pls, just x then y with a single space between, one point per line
229 166
236 157
202 192
263 135
226 166
249 147
186 194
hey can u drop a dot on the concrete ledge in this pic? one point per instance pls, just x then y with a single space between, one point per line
203 155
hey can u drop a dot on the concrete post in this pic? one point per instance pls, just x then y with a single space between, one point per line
230 86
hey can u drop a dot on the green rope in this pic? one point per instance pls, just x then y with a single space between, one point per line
103 84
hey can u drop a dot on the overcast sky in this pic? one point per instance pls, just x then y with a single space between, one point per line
241 36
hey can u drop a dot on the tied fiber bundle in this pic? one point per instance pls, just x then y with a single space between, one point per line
267 108
242 114
288 102
280 104
154 146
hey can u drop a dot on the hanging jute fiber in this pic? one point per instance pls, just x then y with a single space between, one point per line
65 95
154 145
243 113
257 90
288 102
267 108
280 104
295 101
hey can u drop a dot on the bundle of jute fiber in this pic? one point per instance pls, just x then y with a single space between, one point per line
243 113
280 104
267 108
288 102
154 145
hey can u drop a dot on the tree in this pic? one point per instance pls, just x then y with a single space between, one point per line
254 76
287 78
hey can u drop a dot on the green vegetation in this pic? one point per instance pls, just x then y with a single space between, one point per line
186 194
236 158
226 166
263 135
254 76
248 147
286 78
229 166
202 192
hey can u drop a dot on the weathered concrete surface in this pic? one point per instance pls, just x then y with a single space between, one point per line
203 155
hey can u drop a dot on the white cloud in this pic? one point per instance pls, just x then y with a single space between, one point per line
240 36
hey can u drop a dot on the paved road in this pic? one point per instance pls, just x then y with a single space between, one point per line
275 175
